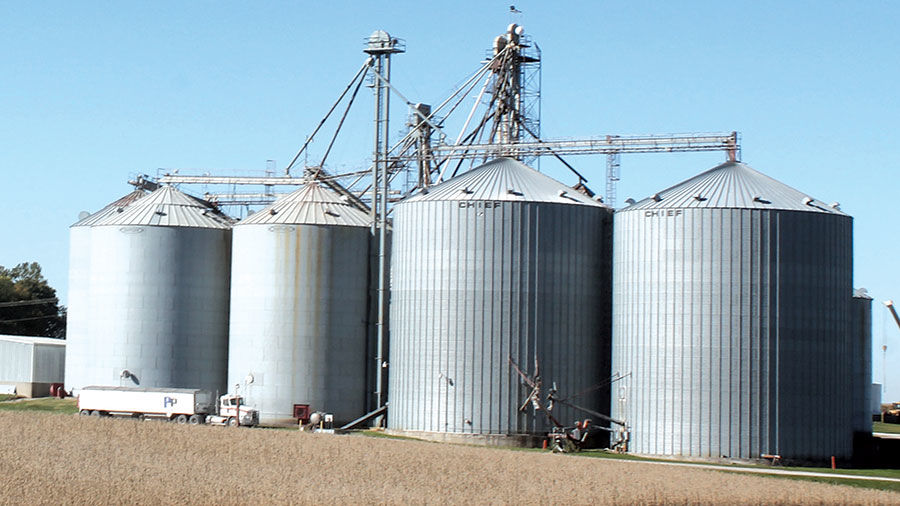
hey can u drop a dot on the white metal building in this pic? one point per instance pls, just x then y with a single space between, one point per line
28 365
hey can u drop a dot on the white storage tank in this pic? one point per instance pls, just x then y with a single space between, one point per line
299 306
499 263
158 296
731 320
875 399
78 309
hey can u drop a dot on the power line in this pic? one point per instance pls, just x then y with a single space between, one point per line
17 320
29 302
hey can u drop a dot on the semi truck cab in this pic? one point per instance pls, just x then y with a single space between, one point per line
233 411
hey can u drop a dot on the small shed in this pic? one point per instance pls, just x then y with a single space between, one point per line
29 365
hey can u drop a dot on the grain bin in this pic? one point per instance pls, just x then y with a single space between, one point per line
78 309
861 360
299 306
158 296
499 263
731 320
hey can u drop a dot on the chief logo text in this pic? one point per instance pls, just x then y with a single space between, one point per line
662 213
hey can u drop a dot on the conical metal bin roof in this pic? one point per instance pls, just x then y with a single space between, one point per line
310 205
737 186
110 209
504 179
168 207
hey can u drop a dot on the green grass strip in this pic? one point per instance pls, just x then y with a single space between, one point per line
46 404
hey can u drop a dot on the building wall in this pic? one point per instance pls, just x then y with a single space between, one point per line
16 361
49 363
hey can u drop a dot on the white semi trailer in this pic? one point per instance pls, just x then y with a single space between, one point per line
181 405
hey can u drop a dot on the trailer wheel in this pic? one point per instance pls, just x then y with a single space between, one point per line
181 419
196 419
84 412
96 413
232 422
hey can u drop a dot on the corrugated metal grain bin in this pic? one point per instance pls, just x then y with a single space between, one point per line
79 302
501 262
31 364
861 360
731 320
299 306
158 296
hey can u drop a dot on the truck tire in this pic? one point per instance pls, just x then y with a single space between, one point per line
182 419
196 419
232 422
96 413
85 412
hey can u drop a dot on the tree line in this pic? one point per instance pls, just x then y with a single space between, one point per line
28 304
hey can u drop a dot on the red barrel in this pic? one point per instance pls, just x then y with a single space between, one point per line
57 390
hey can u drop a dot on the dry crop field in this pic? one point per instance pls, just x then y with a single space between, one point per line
55 459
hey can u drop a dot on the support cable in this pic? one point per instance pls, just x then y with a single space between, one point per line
478 99
359 75
411 105
32 302
469 83
338 129
31 318
581 178
469 138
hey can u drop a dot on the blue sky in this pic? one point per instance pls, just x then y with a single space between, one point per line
92 93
